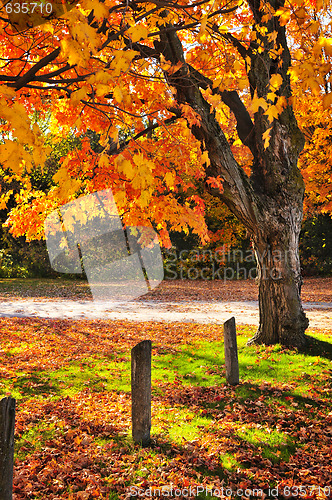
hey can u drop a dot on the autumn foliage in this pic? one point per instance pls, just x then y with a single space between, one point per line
97 68
73 420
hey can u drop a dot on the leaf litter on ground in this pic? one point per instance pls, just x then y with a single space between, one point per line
73 423
314 289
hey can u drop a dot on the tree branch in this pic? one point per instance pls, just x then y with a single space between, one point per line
115 148
238 193
29 75
244 124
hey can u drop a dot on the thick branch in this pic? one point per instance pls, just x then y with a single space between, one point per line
238 194
244 124
29 75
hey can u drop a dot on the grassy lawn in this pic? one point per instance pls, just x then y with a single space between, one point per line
73 429
44 288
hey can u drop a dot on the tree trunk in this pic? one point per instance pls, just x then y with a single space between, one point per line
282 319
279 188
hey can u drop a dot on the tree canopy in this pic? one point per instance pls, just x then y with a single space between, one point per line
118 68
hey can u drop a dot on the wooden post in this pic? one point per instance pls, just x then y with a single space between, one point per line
231 358
141 392
7 428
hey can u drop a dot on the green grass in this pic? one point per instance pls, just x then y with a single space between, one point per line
274 445
45 288
200 364
35 438
179 424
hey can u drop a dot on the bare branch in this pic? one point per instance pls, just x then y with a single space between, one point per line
115 149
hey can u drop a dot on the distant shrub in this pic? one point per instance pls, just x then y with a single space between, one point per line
9 268
316 245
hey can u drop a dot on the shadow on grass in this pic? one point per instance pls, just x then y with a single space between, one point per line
35 384
317 347
246 394
270 373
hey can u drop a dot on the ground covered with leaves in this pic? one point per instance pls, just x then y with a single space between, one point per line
315 289
268 437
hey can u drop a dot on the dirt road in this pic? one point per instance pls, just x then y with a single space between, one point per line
245 312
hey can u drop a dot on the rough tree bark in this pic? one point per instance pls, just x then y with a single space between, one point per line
270 201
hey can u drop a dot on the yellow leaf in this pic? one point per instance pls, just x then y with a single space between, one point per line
313 84
144 198
272 36
266 136
175 68
77 96
284 14
117 93
102 89
271 96
300 15
99 10
281 103
139 159
205 159
202 29
100 77
122 60
48 28
237 65
258 103
120 198
314 27
72 51
136 33
7 91
216 83
327 100
125 166
275 81
266 18
169 179
103 161
165 65
272 112
12 154
298 54
238 142
242 83
328 46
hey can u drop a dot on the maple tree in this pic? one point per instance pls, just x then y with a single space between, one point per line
198 90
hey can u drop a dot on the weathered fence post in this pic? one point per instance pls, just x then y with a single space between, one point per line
7 429
231 358
141 392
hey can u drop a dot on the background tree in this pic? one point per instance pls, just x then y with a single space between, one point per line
184 70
